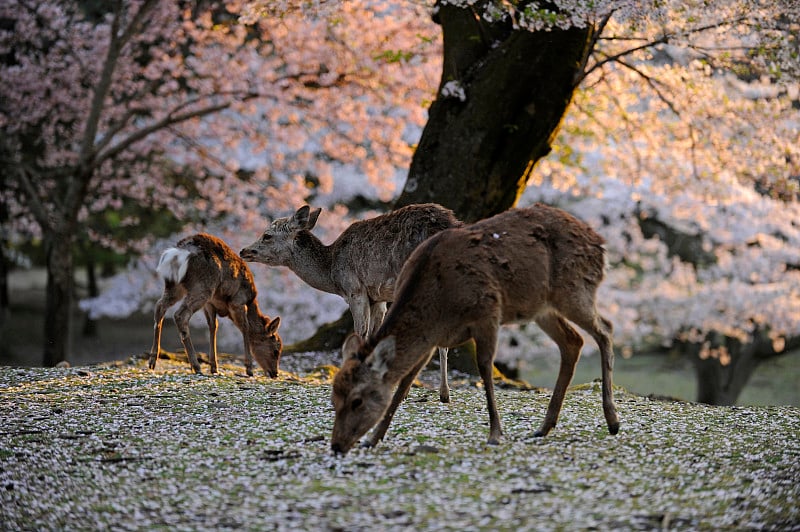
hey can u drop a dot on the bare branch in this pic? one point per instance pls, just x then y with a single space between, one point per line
115 46
653 84
35 202
168 120
596 32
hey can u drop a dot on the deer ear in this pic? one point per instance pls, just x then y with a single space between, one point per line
300 218
351 347
382 356
272 327
312 219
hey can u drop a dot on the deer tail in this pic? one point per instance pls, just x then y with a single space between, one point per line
173 264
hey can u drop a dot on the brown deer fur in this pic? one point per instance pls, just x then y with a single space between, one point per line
538 264
361 265
204 272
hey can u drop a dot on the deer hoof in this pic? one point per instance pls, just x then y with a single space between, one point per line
444 397
249 372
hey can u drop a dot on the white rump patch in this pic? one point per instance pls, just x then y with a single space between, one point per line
173 264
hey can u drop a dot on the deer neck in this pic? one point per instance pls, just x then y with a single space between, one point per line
312 262
410 348
254 314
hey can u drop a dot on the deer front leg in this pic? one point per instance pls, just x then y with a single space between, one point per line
182 322
359 308
399 395
485 346
444 387
211 320
569 344
239 317
376 313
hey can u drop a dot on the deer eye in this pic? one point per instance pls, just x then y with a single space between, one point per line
266 237
357 402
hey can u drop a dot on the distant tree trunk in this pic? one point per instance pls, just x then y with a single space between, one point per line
724 364
90 325
4 299
58 302
476 156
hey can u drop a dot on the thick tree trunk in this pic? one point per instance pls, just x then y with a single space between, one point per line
476 155
58 302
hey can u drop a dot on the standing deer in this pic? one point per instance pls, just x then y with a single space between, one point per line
538 264
361 265
204 272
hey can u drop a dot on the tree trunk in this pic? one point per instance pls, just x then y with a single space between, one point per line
58 302
475 156
724 365
90 325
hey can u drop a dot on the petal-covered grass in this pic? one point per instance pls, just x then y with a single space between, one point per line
125 448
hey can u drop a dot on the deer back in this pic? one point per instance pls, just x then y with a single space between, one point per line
372 252
512 266
215 269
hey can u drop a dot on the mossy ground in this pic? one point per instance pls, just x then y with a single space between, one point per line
122 447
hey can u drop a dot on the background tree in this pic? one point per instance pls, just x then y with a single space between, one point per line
160 103
508 76
680 116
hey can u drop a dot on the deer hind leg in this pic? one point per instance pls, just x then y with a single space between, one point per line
485 347
602 334
588 319
170 296
569 344
190 305
211 320
399 395
444 387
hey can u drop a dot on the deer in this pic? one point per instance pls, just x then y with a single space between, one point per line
205 273
361 265
536 264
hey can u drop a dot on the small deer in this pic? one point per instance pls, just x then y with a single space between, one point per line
538 264
361 265
206 273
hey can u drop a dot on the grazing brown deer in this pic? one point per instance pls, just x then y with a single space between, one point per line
361 265
538 264
204 272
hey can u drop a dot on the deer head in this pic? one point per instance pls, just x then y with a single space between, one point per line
275 246
360 393
266 345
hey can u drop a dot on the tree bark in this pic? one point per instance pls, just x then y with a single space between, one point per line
721 378
92 289
475 156
58 303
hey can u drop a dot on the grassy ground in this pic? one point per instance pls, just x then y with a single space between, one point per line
125 448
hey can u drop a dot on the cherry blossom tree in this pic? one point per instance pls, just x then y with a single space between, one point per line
697 100
178 106
646 118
